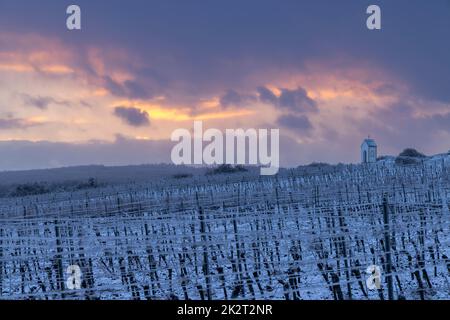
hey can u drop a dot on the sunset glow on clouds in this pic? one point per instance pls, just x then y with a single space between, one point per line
326 84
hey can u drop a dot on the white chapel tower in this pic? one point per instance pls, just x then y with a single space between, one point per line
368 151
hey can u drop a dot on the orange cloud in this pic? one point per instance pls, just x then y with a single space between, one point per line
32 52
210 103
57 69
16 67
158 112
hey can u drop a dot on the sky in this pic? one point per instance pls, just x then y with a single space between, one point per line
113 92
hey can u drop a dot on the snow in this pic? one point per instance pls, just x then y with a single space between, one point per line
292 236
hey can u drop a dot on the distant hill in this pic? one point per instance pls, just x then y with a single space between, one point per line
104 174
31 182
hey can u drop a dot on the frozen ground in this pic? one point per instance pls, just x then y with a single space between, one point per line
295 236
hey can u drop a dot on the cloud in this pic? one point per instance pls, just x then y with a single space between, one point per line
85 104
24 155
386 89
295 104
233 98
176 57
132 116
297 123
267 96
129 89
135 90
230 98
255 36
16 123
42 102
296 100
400 125
441 121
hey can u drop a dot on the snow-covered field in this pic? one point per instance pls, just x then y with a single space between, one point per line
286 237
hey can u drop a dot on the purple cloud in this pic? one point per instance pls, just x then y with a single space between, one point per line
42 102
132 116
296 101
299 124
15 123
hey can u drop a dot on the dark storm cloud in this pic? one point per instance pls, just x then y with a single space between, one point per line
192 49
296 101
135 90
130 89
298 124
114 87
42 102
132 116
209 44
231 97
267 96
147 83
235 99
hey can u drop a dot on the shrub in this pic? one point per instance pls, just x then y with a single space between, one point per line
227 169
318 165
91 183
411 153
30 189
407 160
182 175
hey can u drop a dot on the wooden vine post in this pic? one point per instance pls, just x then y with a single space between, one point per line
387 239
